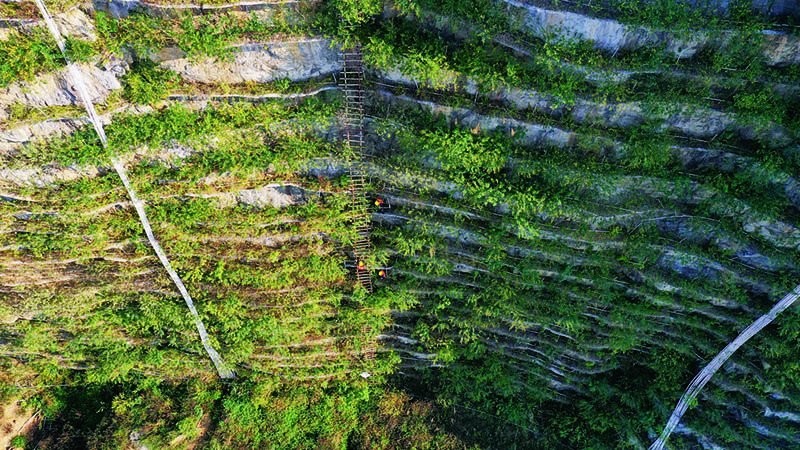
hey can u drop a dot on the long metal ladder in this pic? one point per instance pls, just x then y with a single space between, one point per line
353 133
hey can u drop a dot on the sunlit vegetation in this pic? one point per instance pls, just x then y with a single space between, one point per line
33 51
210 35
556 272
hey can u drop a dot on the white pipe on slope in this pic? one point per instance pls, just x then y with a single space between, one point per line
708 371
80 86
225 6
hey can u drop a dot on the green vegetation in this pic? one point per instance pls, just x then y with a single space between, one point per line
680 16
356 12
265 415
174 123
739 60
553 281
469 316
33 51
148 83
18 442
210 35
420 54
17 10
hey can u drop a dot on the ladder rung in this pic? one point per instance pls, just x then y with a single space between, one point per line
353 133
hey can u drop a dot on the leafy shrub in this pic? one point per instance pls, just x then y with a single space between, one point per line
33 51
283 85
18 442
147 83
355 12
492 15
210 35
463 150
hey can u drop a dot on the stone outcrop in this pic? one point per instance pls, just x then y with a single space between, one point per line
73 22
269 196
780 49
296 60
263 62
55 89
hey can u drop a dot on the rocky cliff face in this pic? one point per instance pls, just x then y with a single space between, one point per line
293 60
570 260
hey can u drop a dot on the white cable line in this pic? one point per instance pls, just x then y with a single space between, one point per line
80 86
708 371
225 6
244 97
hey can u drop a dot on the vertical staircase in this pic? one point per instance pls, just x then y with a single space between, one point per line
353 133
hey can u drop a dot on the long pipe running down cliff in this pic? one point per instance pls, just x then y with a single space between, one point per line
708 371
80 86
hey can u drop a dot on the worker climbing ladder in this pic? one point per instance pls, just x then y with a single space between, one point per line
353 133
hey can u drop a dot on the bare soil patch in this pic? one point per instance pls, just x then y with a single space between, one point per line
15 420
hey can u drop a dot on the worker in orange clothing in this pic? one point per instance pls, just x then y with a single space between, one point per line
361 266
382 274
378 202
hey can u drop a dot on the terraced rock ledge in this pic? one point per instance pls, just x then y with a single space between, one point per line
578 212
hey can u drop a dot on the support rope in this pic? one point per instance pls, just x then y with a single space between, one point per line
80 86
708 371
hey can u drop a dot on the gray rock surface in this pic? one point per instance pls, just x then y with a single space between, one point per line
272 195
13 139
73 22
534 134
55 89
269 196
263 62
780 49
704 234
47 175
606 34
